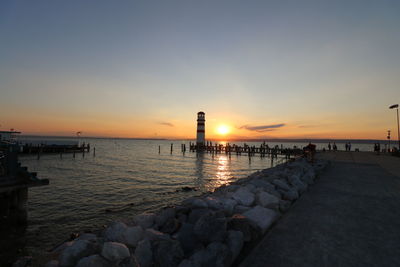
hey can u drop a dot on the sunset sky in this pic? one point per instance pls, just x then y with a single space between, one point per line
265 69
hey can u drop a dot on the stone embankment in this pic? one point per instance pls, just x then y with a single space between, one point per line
209 230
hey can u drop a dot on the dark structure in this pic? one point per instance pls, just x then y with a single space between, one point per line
14 183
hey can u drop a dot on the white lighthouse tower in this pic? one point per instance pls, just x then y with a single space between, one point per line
201 133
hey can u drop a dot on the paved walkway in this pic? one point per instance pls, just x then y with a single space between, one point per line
350 217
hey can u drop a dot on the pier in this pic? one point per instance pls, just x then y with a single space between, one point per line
348 218
14 183
263 150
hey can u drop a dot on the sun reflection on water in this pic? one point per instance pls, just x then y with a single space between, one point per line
223 174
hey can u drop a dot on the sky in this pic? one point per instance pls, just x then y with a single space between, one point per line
264 69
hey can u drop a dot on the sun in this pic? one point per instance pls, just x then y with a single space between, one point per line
223 130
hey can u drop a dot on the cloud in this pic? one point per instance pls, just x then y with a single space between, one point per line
307 126
167 124
263 128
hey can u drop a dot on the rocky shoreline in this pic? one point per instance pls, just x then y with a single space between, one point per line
209 230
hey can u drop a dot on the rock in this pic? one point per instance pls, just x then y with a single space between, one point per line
290 195
250 187
210 228
227 188
281 184
145 220
204 258
114 251
216 254
167 253
295 181
234 241
63 246
23 262
133 235
119 232
221 253
244 196
267 200
196 214
273 192
214 203
217 203
240 223
128 262
115 232
170 226
52 263
241 209
144 253
93 261
261 217
188 263
87 236
258 183
152 235
198 203
164 216
284 205
187 238
79 249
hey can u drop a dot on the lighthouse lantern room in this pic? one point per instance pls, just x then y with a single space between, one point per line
201 120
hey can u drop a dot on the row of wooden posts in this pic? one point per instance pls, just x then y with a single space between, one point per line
65 151
263 150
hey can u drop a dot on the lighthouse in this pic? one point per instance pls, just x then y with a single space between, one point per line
201 133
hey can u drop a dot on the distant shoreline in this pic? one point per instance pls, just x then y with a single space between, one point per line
283 140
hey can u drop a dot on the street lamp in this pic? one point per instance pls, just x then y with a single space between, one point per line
396 106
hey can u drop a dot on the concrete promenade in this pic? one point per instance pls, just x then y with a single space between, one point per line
350 217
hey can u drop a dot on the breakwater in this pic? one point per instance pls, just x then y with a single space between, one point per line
211 229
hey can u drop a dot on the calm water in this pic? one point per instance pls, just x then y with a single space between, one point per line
125 177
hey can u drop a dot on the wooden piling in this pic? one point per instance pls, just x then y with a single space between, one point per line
94 152
159 149
172 145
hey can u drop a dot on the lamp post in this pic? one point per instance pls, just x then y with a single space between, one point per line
396 106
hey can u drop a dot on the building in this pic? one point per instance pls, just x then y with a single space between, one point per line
201 131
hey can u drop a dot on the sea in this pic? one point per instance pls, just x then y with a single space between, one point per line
125 177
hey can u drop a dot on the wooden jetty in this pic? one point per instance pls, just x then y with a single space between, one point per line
55 149
14 183
249 150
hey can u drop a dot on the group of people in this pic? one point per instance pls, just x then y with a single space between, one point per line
348 146
334 147
377 148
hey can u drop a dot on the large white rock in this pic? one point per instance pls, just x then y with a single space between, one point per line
114 251
244 196
78 250
267 200
261 217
